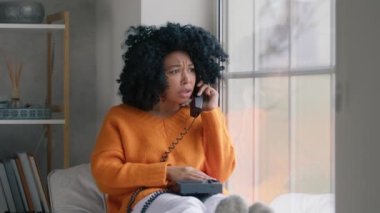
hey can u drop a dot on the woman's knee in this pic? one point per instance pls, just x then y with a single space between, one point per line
193 202
181 204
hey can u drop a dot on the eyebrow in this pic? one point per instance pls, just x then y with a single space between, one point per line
177 65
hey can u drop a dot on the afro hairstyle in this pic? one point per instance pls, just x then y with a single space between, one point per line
142 80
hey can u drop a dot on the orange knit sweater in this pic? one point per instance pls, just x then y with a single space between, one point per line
131 142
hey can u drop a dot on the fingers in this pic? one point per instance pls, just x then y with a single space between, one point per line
211 94
198 175
194 174
205 89
186 173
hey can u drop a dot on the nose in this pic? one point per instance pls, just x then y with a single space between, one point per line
185 77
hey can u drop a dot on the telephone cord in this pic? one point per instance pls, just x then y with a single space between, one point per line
133 198
172 146
152 198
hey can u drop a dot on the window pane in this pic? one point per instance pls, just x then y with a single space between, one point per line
262 42
268 163
260 134
271 136
240 36
311 146
311 33
272 34
281 126
240 122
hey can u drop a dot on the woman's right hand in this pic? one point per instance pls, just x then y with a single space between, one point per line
176 173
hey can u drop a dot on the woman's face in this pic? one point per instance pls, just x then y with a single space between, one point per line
180 73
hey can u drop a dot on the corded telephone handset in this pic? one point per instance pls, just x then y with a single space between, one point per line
196 103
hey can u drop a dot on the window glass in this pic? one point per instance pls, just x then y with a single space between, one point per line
278 96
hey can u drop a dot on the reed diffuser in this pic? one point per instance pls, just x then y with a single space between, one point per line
14 72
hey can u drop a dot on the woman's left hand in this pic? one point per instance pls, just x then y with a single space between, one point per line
210 95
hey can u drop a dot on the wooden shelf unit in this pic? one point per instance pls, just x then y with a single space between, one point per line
50 27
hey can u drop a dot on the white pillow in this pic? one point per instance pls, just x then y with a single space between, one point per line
74 190
304 203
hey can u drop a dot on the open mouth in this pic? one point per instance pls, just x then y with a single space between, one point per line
185 93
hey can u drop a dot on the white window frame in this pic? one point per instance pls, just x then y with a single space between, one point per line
289 72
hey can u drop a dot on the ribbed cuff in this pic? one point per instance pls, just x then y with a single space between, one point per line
211 118
157 174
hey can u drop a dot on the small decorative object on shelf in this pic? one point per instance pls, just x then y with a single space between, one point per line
4 104
21 11
32 112
14 72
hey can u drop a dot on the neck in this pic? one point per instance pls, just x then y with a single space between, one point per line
164 109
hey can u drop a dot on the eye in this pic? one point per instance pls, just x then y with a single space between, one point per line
173 71
192 69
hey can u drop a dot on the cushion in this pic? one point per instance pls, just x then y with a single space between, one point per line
74 190
304 203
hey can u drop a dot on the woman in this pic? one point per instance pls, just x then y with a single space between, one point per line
132 162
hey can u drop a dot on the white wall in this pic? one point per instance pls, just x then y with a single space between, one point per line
113 19
357 121
197 12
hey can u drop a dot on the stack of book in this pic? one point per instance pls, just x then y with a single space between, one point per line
21 189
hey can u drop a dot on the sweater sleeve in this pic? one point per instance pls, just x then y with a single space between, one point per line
112 173
220 154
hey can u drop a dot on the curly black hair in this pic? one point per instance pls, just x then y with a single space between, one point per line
143 81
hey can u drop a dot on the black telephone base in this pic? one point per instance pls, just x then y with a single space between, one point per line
191 187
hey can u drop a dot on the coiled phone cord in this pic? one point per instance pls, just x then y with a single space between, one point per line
172 146
152 198
164 158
